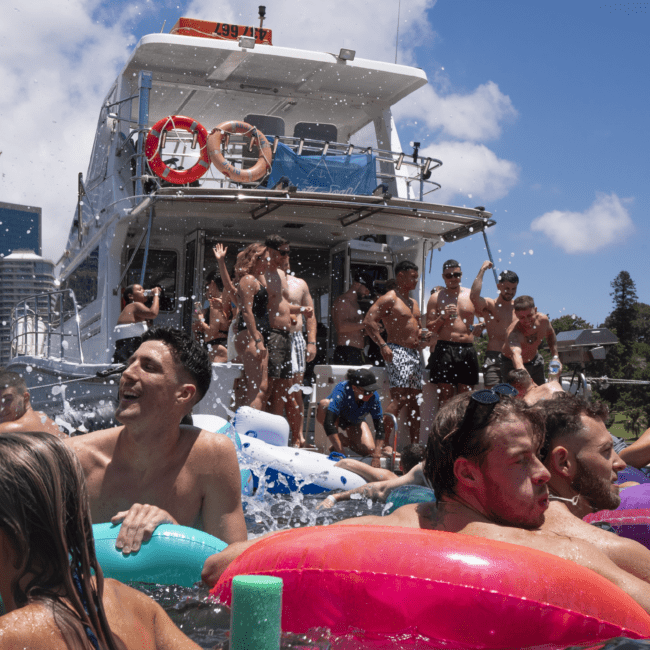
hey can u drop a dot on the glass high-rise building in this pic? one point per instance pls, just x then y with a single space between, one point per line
20 228
22 274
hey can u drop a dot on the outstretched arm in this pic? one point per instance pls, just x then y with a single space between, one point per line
220 253
371 322
638 453
480 304
148 313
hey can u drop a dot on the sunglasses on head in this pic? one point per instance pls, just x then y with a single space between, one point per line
458 274
284 253
481 405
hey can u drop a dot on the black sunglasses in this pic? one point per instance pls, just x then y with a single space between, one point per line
453 275
284 253
481 405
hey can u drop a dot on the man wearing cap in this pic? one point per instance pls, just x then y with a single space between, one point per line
499 314
347 317
450 315
346 409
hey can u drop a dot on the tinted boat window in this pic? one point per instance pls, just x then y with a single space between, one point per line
83 280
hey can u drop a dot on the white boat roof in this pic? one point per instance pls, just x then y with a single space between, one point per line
297 85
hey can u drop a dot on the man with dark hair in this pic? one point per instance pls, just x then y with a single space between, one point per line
523 339
16 412
482 459
152 469
281 312
528 390
450 314
133 320
498 315
347 318
579 454
400 315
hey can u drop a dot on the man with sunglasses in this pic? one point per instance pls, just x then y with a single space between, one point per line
450 315
482 459
499 314
523 339
580 457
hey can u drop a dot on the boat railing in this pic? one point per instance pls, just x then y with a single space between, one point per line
47 325
181 152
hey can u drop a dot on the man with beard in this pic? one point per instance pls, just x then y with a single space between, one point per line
499 314
579 454
482 460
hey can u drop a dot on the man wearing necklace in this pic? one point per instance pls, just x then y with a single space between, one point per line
450 314
579 455
400 315
524 338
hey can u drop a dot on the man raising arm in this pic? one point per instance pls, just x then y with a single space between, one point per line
154 470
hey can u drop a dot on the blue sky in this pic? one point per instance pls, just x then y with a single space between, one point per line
539 112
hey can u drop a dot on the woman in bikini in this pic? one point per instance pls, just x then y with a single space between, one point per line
211 325
252 324
47 559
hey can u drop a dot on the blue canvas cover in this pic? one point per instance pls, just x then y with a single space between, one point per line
354 174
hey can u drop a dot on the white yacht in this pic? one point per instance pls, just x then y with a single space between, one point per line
330 111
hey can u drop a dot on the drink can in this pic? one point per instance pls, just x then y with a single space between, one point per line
148 293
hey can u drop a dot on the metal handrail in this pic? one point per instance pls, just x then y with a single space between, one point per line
39 310
236 153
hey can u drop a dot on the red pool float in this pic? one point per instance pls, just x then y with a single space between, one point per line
466 591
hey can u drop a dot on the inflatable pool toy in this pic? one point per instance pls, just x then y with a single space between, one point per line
218 425
635 497
455 589
270 428
406 494
281 470
632 474
173 556
633 524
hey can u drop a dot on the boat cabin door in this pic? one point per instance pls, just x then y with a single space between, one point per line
192 289
349 258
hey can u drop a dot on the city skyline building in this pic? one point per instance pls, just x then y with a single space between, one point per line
20 228
22 274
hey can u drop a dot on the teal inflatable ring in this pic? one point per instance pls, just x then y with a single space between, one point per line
173 556
405 494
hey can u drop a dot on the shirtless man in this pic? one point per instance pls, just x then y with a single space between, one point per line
301 353
127 335
489 482
153 470
347 318
523 340
401 352
580 456
528 390
281 313
450 314
499 315
16 412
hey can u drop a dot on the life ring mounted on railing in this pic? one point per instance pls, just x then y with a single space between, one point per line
254 173
152 150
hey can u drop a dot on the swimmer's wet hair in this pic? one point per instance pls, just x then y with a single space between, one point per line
411 455
188 353
214 276
445 445
562 419
12 380
45 515
523 302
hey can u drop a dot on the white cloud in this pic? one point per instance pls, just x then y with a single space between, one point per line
474 116
605 222
470 172
57 61
366 26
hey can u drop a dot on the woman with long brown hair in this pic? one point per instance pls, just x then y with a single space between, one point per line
47 560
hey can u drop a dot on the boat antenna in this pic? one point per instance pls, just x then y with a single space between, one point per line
163 27
399 7
262 10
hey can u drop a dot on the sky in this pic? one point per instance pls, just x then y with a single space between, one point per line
538 110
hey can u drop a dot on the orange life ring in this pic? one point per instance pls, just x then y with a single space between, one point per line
254 173
152 150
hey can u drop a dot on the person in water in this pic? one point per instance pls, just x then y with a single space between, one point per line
153 470
47 561
528 390
483 462
579 455
16 412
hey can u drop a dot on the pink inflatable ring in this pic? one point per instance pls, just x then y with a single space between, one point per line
466 591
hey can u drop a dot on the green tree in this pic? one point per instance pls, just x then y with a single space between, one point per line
621 320
570 323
